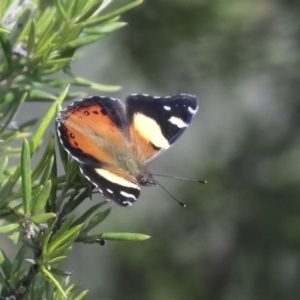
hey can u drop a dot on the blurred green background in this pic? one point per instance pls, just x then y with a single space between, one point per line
239 236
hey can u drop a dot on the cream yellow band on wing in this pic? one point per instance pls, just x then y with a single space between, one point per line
150 130
116 179
127 195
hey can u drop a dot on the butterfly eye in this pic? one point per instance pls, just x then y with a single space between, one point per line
146 179
143 180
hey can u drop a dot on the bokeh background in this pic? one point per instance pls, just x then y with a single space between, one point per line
239 236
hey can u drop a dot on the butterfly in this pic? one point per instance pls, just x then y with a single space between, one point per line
114 142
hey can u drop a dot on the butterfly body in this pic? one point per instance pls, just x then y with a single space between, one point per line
113 142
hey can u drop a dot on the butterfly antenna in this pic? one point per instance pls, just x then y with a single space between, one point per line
181 178
180 203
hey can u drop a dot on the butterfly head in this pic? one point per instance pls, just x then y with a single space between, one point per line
145 178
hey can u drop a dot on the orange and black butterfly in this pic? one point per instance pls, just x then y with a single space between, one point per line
114 142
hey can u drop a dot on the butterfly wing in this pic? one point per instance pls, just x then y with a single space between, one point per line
157 122
114 184
95 131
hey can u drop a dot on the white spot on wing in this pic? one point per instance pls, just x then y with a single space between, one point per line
116 179
167 107
178 122
192 111
150 130
110 191
128 203
127 195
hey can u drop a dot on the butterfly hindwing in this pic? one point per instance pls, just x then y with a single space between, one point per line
157 122
114 184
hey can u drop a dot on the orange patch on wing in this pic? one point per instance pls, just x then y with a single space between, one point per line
94 133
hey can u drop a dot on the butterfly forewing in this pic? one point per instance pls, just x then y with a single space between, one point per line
157 122
92 129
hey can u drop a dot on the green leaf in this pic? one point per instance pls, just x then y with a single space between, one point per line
63 250
71 33
80 82
89 239
5 264
63 228
96 86
107 28
3 167
15 237
89 9
4 284
124 236
54 69
31 38
70 290
52 278
43 163
71 235
15 279
96 220
87 214
46 121
47 171
57 260
19 26
26 176
5 55
13 109
58 61
81 295
59 272
79 199
39 202
82 41
52 197
61 10
45 40
9 227
46 238
43 218
19 259
40 95
4 6
117 12
45 23
4 30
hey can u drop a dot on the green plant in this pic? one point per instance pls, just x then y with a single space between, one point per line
39 39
